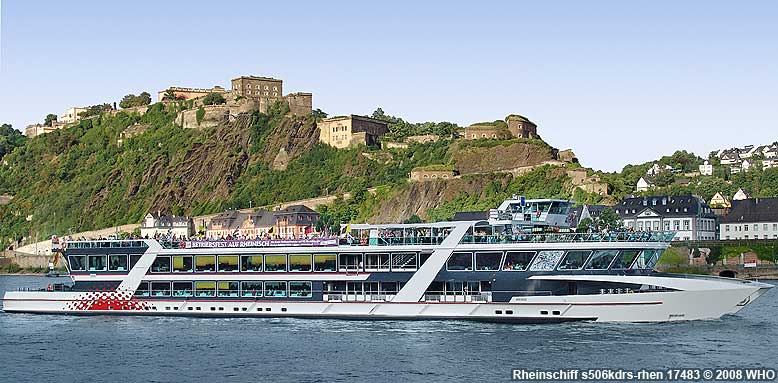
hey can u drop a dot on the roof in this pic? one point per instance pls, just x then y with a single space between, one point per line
355 117
594 212
167 220
752 210
257 78
470 216
261 218
664 206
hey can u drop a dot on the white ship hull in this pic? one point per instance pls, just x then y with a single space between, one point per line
730 298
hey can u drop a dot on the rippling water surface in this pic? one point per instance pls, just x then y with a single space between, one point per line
52 348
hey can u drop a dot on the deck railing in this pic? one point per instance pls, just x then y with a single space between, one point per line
647 236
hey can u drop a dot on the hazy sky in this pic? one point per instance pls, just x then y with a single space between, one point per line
618 81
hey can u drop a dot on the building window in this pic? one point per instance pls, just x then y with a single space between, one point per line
726 227
667 225
275 88
686 224
265 93
676 225
756 227
248 92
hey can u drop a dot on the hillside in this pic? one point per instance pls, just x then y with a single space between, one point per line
81 178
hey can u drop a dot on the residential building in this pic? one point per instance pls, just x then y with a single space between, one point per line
347 131
260 223
748 151
689 216
706 169
720 201
71 115
37 129
295 221
768 163
656 169
223 225
257 86
592 212
183 93
729 157
643 184
741 194
158 224
752 218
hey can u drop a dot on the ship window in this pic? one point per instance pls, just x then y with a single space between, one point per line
251 289
546 260
303 289
460 262
182 264
404 261
227 289
275 262
574 260
647 259
517 260
350 262
134 258
97 262
299 262
117 262
376 261
161 265
228 263
205 263
488 261
625 258
160 289
77 262
455 288
182 289
275 289
251 263
205 289
388 287
142 290
325 262
601 259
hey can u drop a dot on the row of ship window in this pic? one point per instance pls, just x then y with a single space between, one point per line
225 289
548 260
545 260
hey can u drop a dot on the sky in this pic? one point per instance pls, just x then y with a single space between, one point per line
618 82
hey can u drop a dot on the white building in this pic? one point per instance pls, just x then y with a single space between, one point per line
706 169
643 184
769 163
71 115
689 216
753 218
165 225
740 195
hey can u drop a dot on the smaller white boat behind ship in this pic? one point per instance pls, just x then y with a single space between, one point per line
522 265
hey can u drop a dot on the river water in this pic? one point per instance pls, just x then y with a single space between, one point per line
52 348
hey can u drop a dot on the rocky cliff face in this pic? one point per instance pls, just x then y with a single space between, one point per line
416 198
501 157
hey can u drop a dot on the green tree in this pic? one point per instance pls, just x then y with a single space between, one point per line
413 219
213 98
318 114
49 119
169 95
584 225
131 100
608 219
10 139
95 110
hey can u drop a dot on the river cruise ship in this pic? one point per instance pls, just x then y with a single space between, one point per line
519 265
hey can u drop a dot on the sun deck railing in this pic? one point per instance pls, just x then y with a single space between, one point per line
647 236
